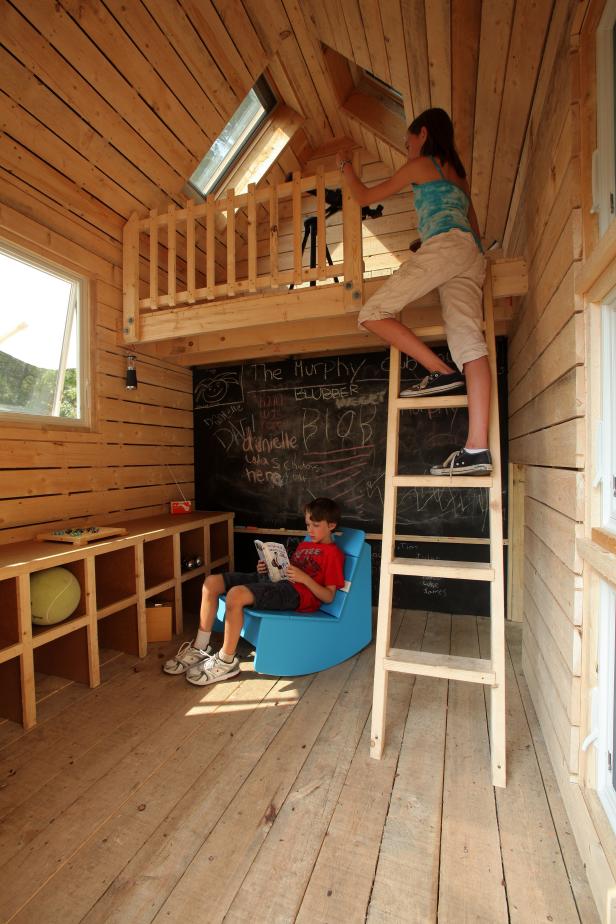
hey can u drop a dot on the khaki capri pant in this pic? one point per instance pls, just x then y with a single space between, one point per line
453 264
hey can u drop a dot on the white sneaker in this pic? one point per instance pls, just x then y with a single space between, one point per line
186 657
211 670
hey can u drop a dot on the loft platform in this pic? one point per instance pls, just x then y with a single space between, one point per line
187 304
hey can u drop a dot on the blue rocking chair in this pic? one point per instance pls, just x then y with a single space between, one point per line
289 643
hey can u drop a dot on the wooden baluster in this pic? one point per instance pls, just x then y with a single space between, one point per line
273 216
352 242
153 258
321 224
190 251
211 245
297 228
252 239
231 242
130 279
171 255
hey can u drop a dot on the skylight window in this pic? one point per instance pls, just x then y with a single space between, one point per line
233 139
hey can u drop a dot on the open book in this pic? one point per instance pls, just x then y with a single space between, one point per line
275 557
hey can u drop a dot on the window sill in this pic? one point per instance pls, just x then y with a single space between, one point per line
600 559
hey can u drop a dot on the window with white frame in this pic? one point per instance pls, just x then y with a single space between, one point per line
606 768
604 159
608 416
43 340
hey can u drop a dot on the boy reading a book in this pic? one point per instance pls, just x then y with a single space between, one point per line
315 573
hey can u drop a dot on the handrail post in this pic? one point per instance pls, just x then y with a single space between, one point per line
352 247
130 279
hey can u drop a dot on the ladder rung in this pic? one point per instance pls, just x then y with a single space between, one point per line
443 481
431 402
451 667
461 570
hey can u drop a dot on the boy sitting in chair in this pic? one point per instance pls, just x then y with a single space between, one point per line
315 573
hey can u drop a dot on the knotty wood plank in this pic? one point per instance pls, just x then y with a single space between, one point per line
556 530
29 46
50 747
135 798
563 353
415 38
149 707
393 31
536 877
559 310
493 45
471 873
340 885
563 739
406 879
438 30
559 402
373 28
530 24
216 850
70 40
465 29
575 868
567 636
296 836
559 675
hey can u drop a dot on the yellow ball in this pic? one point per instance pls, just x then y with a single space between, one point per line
54 595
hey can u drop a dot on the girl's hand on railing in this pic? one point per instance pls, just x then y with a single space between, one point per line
342 159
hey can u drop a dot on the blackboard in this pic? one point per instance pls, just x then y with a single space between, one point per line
271 435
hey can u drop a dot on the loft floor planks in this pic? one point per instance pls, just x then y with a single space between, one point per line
259 796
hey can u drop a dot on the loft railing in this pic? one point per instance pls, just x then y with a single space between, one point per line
189 256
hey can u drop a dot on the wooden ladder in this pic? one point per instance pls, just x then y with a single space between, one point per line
490 672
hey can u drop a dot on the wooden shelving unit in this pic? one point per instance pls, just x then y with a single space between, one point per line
117 577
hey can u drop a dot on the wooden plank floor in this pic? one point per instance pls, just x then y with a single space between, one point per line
256 800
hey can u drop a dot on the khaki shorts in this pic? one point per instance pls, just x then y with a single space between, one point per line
452 263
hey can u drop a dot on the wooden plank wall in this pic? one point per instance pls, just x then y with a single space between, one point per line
547 393
118 470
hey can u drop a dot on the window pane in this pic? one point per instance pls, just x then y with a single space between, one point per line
236 133
38 341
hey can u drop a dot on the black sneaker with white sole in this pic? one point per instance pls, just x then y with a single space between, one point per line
436 383
462 462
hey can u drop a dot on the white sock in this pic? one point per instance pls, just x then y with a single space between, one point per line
227 658
472 451
202 640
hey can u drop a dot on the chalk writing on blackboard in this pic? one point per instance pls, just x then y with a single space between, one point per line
269 435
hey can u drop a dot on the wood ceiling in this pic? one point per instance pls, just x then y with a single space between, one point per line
107 106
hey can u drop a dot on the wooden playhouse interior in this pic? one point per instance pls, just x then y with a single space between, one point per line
107 108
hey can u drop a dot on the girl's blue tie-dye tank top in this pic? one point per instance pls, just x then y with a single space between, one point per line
441 206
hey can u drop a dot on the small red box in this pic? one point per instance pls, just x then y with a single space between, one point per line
180 506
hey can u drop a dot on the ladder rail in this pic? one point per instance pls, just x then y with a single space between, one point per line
383 631
491 672
497 587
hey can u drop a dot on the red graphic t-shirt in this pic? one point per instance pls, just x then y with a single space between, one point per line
324 563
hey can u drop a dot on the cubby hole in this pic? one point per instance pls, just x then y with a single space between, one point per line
192 547
219 541
9 624
66 656
158 561
191 597
78 568
120 631
115 576
10 689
